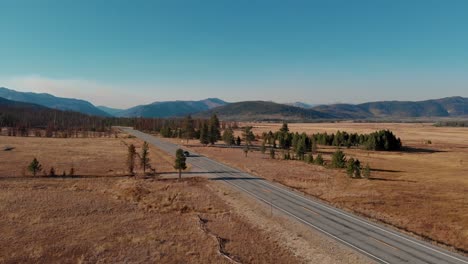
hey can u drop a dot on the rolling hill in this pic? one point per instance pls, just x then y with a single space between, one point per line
445 107
264 111
171 108
50 101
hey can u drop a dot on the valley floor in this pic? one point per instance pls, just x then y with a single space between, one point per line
102 215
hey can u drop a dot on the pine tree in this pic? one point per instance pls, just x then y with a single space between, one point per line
180 162
350 167
314 145
188 129
319 160
357 169
338 159
213 129
366 171
248 136
238 141
309 158
228 136
204 134
144 157
131 159
34 167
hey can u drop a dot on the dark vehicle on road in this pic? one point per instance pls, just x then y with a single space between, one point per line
186 154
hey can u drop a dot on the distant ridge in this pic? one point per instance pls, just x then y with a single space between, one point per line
264 111
50 101
445 107
171 108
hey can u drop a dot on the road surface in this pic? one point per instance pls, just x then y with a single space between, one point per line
379 243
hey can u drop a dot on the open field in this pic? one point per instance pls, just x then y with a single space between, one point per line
101 215
423 190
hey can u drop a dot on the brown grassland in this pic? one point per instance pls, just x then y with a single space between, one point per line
101 215
422 190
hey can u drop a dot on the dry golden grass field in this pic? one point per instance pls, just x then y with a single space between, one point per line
423 190
102 215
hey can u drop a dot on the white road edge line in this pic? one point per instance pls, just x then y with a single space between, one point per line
364 222
307 223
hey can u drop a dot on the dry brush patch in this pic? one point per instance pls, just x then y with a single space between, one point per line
111 219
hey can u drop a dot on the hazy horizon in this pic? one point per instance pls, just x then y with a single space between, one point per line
125 54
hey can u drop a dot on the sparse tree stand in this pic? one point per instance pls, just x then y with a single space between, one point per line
131 159
144 157
34 167
180 162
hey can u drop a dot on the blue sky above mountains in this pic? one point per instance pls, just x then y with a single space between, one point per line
124 53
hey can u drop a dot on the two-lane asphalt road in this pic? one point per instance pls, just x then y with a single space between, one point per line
379 243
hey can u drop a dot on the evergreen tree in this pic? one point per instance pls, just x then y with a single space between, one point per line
319 160
228 136
366 172
350 167
204 135
213 129
300 148
357 169
247 135
309 158
34 167
284 128
188 128
338 159
144 157
180 162
238 141
131 159
314 145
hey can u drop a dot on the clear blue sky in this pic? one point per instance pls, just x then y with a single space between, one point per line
123 53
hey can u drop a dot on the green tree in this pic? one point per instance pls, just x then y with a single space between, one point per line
319 160
300 149
309 158
213 129
350 167
34 167
314 145
204 135
188 128
338 159
238 141
180 162
144 157
228 136
366 172
247 135
131 159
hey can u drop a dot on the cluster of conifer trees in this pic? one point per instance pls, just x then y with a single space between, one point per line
383 140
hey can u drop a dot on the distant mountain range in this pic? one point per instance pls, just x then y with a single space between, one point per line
51 101
254 110
171 108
